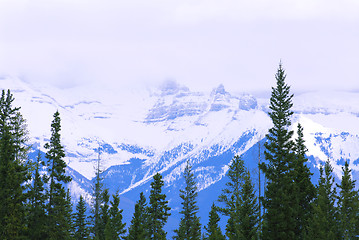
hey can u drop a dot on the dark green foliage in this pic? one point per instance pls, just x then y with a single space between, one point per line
157 210
248 214
304 189
114 227
190 227
97 201
104 215
138 229
348 206
241 205
213 230
37 218
68 215
231 193
323 223
58 205
81 229
279 200
13 169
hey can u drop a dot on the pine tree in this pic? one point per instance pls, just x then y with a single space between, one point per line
248 211
97 201
213 230
37 218
323 223
14 170
81 229
241 205
68 216
138 230
304 188
190 227
115 228
104 215
157 210
57 207
279 220
348 206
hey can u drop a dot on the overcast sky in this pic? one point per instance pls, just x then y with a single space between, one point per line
199 43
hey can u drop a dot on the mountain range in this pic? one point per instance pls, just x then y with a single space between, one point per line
141 131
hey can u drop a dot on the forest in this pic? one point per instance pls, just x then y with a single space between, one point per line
35 200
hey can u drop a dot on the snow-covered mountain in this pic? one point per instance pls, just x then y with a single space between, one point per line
139 132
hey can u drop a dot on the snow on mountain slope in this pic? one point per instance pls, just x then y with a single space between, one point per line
143 131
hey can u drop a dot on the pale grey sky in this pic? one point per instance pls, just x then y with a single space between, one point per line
199 43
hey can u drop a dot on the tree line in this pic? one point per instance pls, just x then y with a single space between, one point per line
35 201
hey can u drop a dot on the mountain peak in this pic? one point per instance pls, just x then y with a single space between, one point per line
220 90
171 87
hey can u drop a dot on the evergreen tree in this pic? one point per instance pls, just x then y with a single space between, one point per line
190 227
279 200
137 230
241 205
68 216
104 215
81 230
14 170
57 207
348 206
37 218
304 188
213 230
114 227
157 210
323 223
248 211
97 201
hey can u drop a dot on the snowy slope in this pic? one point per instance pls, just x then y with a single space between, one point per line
143 131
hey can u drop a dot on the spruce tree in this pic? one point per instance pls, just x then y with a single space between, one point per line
248 211
81 229
304 188
115 228
213 230
137 229
14 170
190 227
158 210
104 215
240 203
323 223
278 200
57 206
97 201
37 218
348 206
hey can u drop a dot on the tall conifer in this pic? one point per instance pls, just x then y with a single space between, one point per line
14 171
240 203
37 218
81 229
213 230
57 207
279 220
115 228
138 227
323 223
348 206
190 227
304 188
158 210
97 201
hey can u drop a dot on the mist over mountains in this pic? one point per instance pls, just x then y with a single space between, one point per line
139 132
